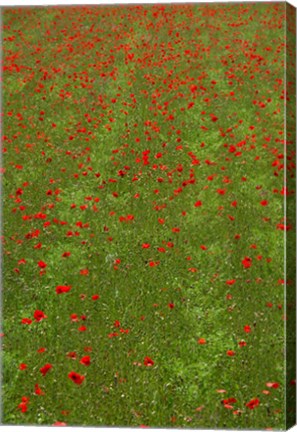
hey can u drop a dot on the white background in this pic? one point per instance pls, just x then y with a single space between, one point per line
55 2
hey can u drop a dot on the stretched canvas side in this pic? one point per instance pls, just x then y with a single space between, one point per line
290 208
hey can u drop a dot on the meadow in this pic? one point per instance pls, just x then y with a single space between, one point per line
144 165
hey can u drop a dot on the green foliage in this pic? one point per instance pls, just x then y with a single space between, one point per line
102 178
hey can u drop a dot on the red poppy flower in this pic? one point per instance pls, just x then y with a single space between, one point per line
86 360
42 264
38 390
201 341
39 315
283 227
246 262
247 329
72 355
253 403
274 385
26 321
84 272
60 289
230 282
229 401
23 406
112 335
23 366
148 362
230 353
154 263
192 269
44 369
66 254
242 343
76 378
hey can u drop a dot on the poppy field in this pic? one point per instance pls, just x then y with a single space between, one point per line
148 221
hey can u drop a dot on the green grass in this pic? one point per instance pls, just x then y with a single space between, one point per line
73 67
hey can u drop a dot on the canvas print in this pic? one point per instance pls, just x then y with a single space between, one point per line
148 215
